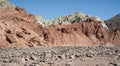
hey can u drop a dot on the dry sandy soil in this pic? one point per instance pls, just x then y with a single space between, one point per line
61 56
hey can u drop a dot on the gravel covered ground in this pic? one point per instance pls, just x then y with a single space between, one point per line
61 56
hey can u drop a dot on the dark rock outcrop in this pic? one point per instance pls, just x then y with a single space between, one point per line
113 23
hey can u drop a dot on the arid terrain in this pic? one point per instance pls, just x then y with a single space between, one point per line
74 40
61 56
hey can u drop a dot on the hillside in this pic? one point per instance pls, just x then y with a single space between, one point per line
20 29
113 23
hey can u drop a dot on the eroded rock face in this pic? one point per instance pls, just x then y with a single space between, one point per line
115 37
20 29
85 33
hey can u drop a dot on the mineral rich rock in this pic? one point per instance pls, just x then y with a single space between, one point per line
41 20
6 4
64 20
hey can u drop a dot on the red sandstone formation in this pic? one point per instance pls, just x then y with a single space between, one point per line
20 29
84 33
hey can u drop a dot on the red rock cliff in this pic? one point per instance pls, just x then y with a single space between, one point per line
20 29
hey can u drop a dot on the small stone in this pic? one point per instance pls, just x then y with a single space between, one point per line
67 64
31 65
63 56
26 65
77 56
2 64
50 63
72 57
87 55
19 34
100 65
20 60
59 57
6 61
32 57
116 58
26 59
36 65
112 64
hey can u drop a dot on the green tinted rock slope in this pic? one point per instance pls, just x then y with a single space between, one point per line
5 4
73 18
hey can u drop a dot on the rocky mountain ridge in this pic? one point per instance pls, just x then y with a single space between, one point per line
113 23
72 18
